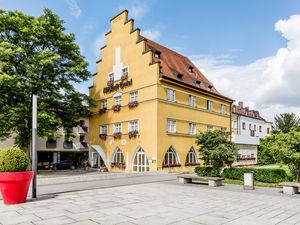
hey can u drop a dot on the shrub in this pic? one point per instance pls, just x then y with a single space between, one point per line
13 159
207 171
262 175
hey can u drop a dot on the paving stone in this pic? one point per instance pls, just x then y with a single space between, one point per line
57 221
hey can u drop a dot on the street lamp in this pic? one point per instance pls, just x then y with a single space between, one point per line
33 146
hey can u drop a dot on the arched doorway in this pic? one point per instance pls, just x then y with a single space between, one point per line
118 159
140 161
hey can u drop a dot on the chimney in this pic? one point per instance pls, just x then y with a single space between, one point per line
240 105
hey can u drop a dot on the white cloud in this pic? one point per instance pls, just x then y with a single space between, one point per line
98 43
138 10
151 34
269 84
74 8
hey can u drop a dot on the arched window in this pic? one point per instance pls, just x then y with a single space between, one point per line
118 159
191 158
171 158
140 161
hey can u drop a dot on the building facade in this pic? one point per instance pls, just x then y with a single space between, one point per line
248 127
151 102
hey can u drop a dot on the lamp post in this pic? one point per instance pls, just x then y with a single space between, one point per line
33 146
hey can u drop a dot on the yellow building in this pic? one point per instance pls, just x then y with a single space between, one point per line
151 102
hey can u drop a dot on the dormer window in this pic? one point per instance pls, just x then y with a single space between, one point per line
198 82
157 54
180 75
191 69
210 87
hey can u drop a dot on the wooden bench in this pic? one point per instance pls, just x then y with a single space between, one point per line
188 178
290 188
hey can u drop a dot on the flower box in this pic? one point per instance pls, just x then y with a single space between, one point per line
116 108
118 165
103 136
192 164
110 83
172 165
117 135
133 134
124 77
133 104
103 110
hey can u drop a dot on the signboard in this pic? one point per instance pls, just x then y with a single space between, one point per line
117 86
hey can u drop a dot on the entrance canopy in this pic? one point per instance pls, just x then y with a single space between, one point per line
101 152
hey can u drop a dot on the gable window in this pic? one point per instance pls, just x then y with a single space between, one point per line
104 104
133 96
104 129
171 95
117 128
223 109
209 128
171 126
133 126
192 128
125 71
192 101
111 77
118 100
171 158
244 125
209 105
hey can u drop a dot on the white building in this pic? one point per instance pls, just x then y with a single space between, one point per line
248 127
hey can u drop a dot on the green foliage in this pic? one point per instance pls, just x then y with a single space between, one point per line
265 156
13 160
207 171
216 149
286 122
286 149
39 57
262 175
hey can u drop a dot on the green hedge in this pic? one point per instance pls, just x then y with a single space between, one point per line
13 160
206 172
262 175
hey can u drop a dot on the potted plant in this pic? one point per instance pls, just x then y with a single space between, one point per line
133 104
103 136
110 83
116 108
133 134
102 110
117 135
14 177
124 77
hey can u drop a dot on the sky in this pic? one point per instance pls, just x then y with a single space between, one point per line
249 49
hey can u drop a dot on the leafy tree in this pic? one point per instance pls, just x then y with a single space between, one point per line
286 148
265 156
216 149
285 122
39 57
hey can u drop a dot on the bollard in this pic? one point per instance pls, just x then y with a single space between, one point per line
248 181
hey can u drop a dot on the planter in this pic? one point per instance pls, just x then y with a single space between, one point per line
103 169
14 186
116 108
133 104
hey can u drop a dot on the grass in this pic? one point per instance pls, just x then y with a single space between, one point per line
256 183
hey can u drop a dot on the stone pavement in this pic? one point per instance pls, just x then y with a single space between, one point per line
158 203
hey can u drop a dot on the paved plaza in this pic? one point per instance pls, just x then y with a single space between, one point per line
164 202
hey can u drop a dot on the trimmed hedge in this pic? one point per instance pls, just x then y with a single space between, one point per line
263 175
13 160
206 171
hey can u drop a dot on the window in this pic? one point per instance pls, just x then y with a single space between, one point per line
117 128
118 100
254 126
104 104
268 130
192 101
259 128
157 54
171 126
133 126
103 129
244 125
252 155
191 158
209 128
250 127
133 96
191 69
111 77
223 109
118 157
170 158
252 133
171 95
209 105
192 128
125 71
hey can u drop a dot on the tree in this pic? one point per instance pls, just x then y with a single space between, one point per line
285 122
264 154
38 57
216 149
286 148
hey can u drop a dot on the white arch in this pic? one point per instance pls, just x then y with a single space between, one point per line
139 167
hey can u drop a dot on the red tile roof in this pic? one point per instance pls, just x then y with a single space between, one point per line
176 66
245 111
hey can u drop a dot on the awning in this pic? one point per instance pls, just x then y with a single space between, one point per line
101 152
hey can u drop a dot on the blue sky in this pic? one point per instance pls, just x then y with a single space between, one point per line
218 35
